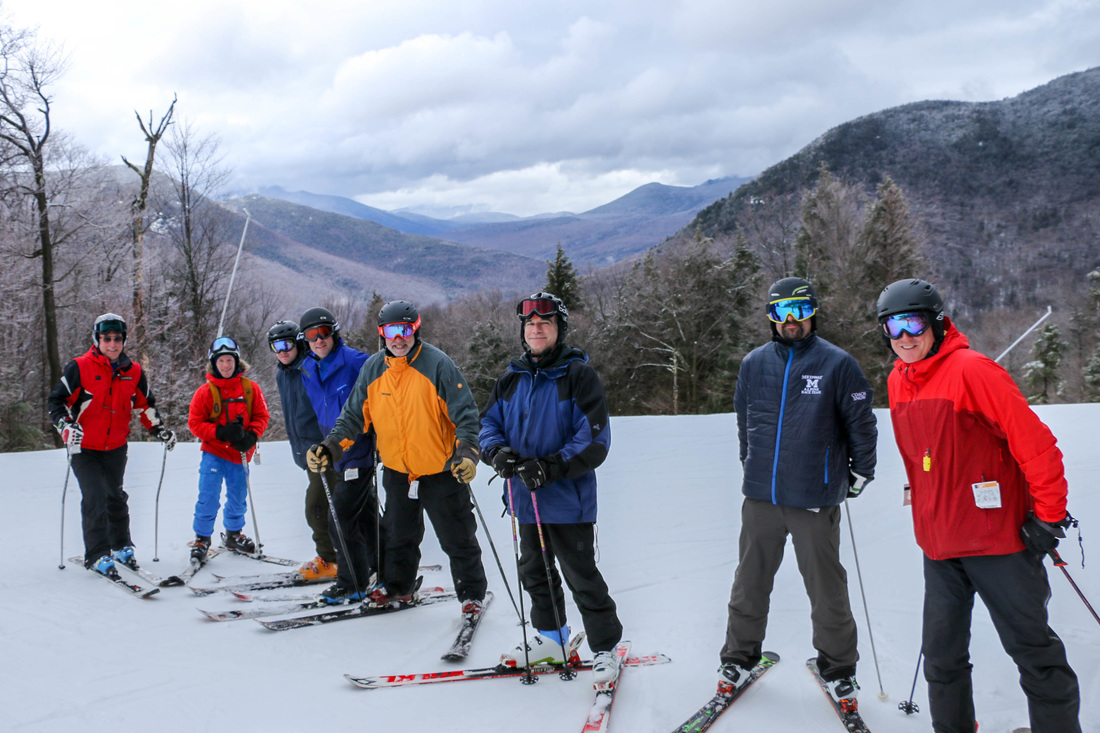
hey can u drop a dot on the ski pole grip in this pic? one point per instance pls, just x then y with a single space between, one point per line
1058 561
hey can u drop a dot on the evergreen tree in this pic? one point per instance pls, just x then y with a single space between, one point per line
1042 372
1092 377
562 280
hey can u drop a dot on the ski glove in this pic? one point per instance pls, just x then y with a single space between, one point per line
230 432
538 472
164 435
247 442
319 458
71 433
1041 537
504 462
856 484
463 463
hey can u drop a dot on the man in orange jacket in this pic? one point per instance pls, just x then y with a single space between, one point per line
988 492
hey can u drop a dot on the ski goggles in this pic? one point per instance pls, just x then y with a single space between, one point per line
400 329
281 345
540 306
317 332
110 327
780 310
224 345
913 324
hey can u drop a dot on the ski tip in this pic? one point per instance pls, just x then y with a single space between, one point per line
774 656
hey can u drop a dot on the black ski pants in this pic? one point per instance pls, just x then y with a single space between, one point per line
816 539
104 513
356 502
317 515
448 505
573 547
1015 589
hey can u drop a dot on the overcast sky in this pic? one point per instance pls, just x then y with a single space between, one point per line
528 107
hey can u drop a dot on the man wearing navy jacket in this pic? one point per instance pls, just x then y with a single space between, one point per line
807 442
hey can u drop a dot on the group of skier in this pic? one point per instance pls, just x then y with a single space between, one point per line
985 478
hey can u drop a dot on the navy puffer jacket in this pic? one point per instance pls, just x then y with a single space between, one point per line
804 421
302 430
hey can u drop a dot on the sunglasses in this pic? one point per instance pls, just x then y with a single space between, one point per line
913 324
393 330
111 339
317 332
281 345
541 306
800 308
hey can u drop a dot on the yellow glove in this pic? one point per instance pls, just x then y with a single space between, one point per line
464 470
318 458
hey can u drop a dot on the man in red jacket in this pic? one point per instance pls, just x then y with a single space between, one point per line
91 408
988 492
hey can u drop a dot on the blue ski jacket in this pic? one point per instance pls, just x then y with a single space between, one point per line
302 430
539 411
328 383
804 422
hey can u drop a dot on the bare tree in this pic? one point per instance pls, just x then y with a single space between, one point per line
137 224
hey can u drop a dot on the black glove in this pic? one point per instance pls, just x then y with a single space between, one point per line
247 442
1041 537
504 462
166 436
856 484
538 472
230 432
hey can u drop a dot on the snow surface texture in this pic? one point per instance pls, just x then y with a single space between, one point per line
78 655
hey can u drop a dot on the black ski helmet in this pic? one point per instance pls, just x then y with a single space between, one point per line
285 331
911 295
544 304
399 311
791 287
108 323
319 317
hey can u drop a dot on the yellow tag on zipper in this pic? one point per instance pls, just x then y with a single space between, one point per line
927 462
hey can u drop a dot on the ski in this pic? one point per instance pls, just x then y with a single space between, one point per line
488 673
192 568
249 583
599 717
131 588
704 718
465 638
259 555
848 714
142 573
312 603
347 612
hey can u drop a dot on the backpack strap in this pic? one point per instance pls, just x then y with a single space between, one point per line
216 395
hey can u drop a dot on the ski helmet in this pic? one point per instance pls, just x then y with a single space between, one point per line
543 304
401 312
283 331
791 288
108 323
912 295
319 317
220 347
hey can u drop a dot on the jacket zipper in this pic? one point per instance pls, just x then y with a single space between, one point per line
779 423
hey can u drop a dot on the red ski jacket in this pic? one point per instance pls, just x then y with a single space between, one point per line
959 419
101 397
204 425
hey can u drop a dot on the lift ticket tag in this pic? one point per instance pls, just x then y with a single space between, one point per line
987 494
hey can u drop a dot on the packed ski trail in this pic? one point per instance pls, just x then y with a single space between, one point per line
669 519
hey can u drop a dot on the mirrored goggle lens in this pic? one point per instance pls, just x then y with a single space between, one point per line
393 330
541 306
110 327
318 332
223 343
800 308
912 323
281 345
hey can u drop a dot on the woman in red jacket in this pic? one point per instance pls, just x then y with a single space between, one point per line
989 500
228 414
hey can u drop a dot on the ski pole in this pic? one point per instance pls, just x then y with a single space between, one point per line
251 504
340 534
1061 564
493 546
156 508
909 707
528 678
64 489
567 673
866 612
